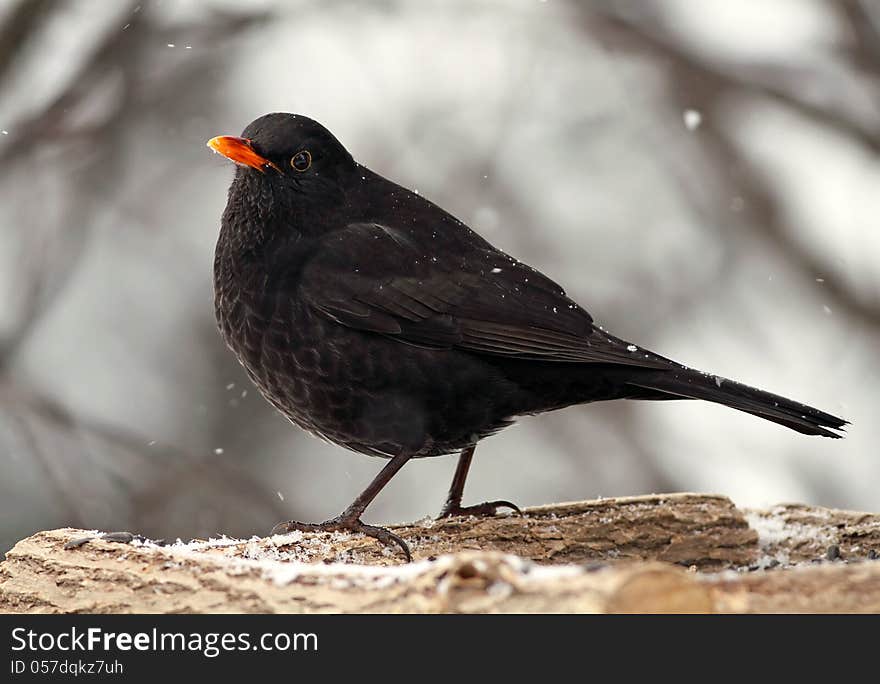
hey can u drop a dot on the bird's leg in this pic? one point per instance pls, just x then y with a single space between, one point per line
350 518
456 491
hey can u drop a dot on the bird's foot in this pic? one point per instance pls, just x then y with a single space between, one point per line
343 524
483 510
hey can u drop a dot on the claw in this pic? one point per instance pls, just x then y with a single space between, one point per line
487 509
347 525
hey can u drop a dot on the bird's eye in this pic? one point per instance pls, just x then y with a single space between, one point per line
301 160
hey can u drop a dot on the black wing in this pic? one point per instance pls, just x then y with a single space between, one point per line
375 278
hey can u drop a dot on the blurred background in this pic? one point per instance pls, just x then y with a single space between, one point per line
702 177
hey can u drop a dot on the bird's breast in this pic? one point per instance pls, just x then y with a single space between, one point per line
359 389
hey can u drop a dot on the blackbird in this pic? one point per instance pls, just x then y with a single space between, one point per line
376 320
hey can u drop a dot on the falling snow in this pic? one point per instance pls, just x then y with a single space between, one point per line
692 119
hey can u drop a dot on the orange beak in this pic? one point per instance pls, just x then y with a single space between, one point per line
240 151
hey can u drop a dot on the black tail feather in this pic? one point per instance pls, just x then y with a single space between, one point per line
690 384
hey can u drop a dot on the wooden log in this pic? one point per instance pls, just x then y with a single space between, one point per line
793 533
611 555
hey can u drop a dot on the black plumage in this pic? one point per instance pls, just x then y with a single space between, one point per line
374 319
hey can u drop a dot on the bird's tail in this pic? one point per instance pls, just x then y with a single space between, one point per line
687 383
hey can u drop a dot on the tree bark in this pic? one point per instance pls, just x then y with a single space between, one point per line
669 553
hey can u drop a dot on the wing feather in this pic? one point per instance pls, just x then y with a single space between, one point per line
378 279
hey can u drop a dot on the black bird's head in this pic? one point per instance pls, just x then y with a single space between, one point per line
289 146
289 163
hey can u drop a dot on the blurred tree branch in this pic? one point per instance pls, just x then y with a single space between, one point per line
702 84
22 22
76 454
865 50
779 83
117 52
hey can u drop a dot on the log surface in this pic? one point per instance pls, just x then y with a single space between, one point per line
667 553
